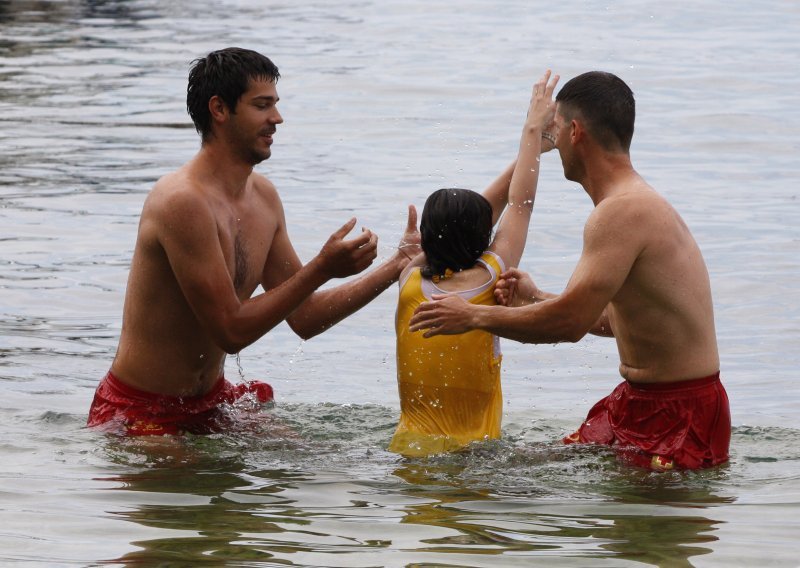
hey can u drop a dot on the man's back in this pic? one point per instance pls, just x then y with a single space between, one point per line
662 315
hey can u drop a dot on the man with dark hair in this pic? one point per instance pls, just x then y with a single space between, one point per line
641 278
210 233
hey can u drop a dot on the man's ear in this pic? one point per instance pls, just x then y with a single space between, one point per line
217 108
577 131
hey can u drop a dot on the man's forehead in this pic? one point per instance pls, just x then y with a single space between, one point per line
259 87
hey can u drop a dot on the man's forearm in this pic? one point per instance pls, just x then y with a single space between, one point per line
527 324
325 308
534 298
239 326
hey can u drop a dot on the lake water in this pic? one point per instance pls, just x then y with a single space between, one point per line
385 101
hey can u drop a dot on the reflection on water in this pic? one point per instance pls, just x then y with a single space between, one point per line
235 498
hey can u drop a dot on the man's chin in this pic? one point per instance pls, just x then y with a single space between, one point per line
258 157
569 172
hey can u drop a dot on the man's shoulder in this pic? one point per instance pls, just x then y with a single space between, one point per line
175 195
264 187
174 185
625 220
634 204
176 178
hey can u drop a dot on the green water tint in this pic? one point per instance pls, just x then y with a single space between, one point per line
328 495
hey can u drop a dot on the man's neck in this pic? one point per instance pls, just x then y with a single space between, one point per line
608 174
227 171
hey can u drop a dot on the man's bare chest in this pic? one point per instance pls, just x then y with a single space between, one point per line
246 244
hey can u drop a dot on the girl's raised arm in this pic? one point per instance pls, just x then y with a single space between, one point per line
512 233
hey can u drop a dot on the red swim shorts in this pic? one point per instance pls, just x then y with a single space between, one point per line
122 408
686 424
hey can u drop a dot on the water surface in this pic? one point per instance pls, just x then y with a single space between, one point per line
383 103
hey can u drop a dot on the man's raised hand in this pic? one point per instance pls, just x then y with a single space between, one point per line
340 257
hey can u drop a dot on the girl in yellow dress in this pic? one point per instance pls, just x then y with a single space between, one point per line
449 385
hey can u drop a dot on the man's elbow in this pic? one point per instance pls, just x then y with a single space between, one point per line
305 334
231 345
573 330
304 329
230 341
575 335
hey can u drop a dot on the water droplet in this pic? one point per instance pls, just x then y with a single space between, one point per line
239 366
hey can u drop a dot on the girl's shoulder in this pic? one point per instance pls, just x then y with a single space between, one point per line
485 271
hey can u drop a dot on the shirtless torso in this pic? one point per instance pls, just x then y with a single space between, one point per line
214 230
164 347
640 255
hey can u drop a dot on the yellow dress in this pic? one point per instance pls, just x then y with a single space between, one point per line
449 384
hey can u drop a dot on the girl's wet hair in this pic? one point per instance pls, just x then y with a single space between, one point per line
226 73
456 228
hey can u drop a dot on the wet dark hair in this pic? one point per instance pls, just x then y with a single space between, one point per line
455 229
605 103
226 73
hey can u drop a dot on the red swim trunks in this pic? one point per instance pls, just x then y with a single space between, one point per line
686 424
122 408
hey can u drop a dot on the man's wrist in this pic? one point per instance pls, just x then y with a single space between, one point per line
478 319
319 270
533 130
403 248
398 261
